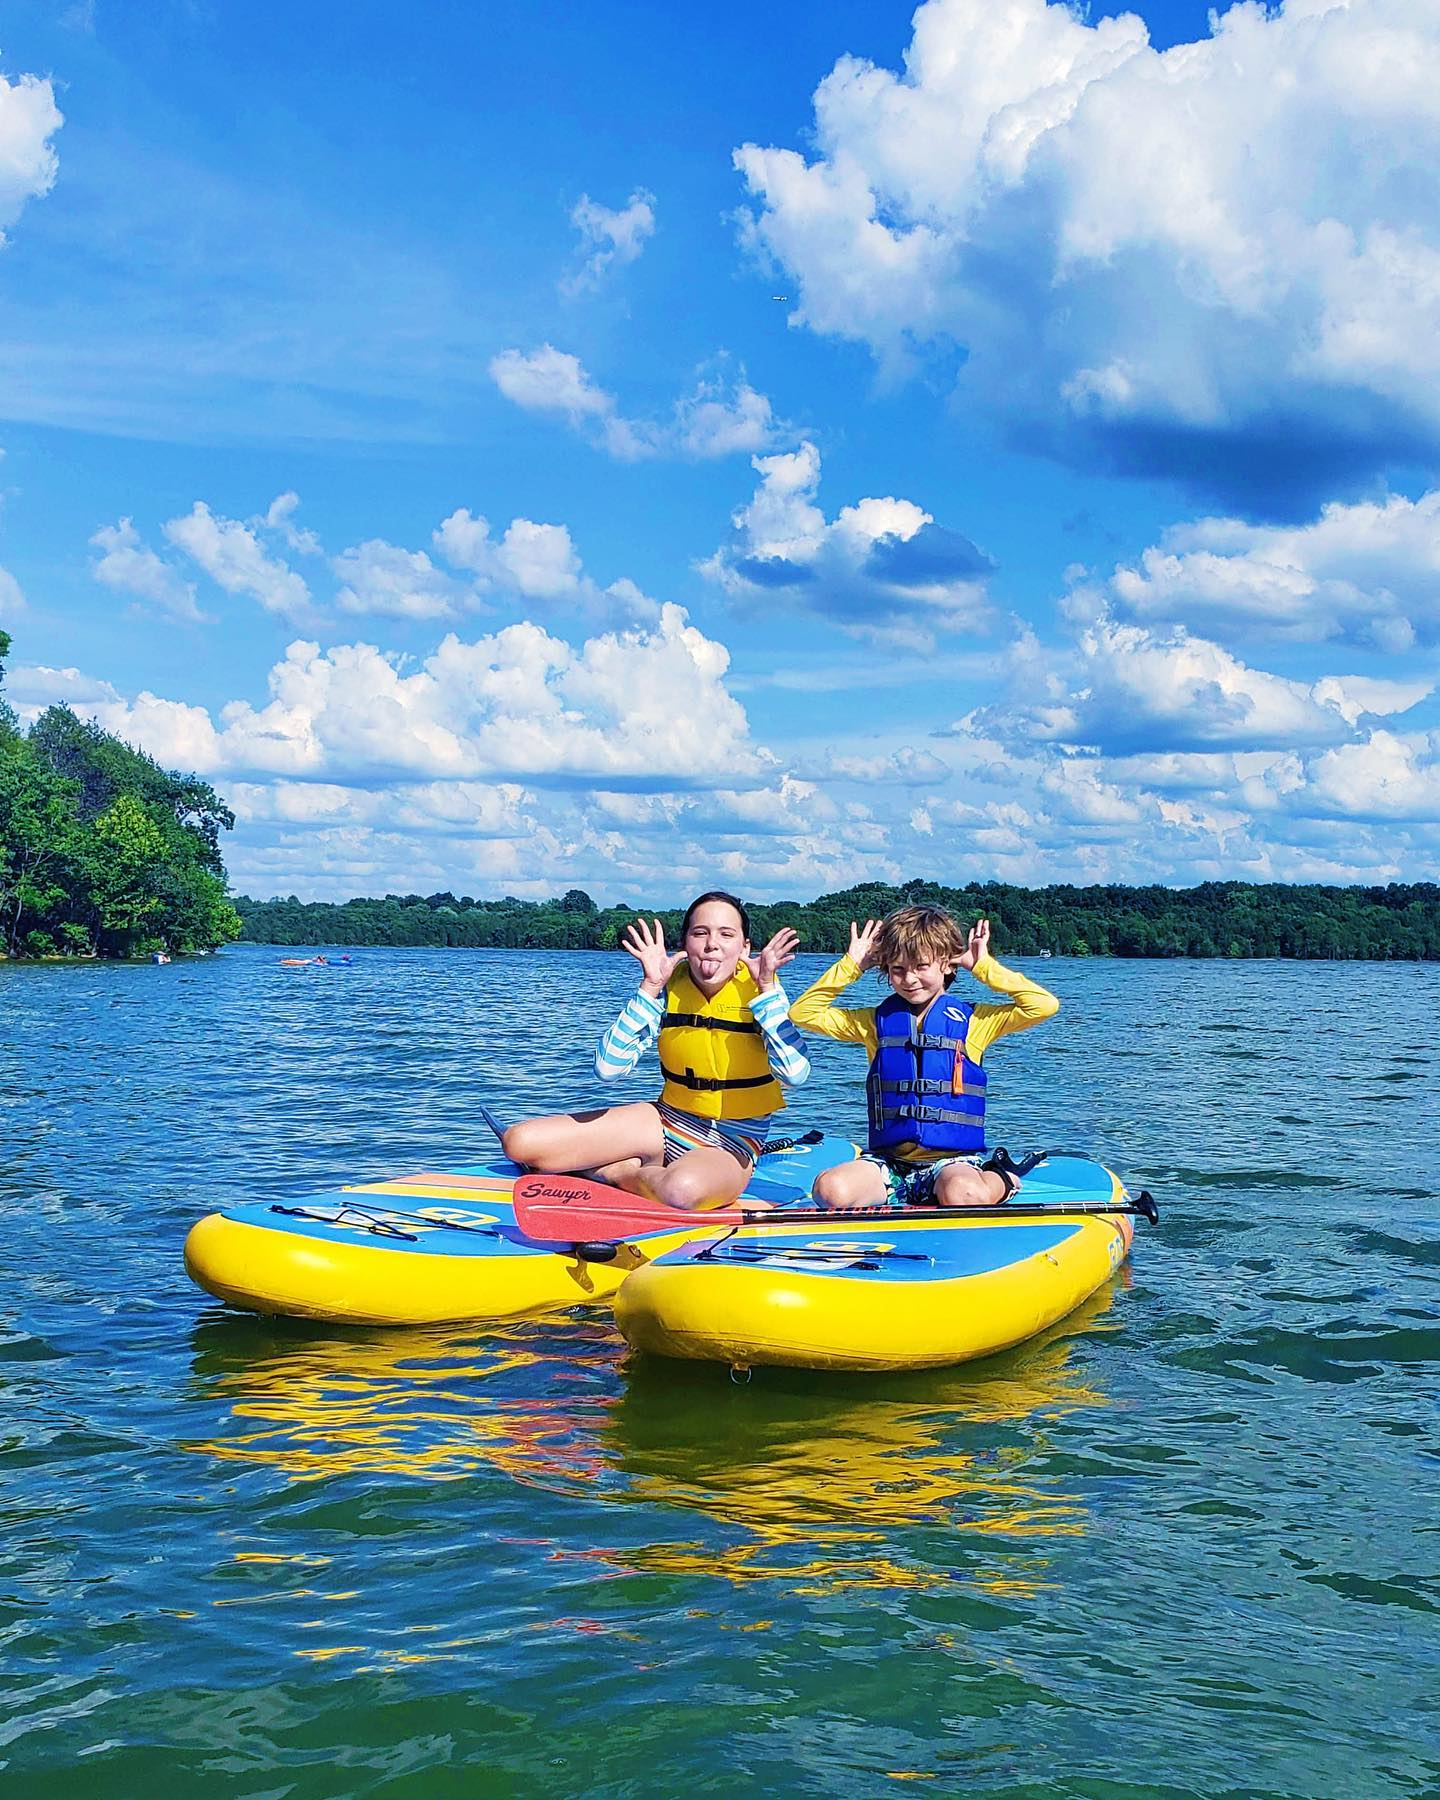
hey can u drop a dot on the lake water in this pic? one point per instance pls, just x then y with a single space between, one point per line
1186 1545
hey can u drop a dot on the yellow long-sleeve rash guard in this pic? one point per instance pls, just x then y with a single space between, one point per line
1026 1004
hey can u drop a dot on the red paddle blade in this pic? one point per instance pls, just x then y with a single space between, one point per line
569 1209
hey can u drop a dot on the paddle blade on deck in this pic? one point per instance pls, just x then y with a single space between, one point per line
570 1209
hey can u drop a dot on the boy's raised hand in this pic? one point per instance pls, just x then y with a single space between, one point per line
646 943
977 944
862 943
772 958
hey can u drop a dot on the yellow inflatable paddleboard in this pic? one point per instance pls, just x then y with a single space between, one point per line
440 1246
890 1293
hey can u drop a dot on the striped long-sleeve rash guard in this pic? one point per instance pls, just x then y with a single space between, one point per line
638 1025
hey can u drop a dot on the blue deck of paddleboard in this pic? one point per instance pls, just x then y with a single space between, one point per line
409 1219
483 1225
940 1252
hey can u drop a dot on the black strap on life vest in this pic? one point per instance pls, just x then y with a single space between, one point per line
919 1086
713 1084
706 1023
923 1040
944 1115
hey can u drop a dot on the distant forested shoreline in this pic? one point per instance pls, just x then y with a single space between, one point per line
1217 919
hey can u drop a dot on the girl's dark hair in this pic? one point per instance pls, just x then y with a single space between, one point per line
729 899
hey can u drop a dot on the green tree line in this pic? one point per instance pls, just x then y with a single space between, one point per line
1218 918
103 852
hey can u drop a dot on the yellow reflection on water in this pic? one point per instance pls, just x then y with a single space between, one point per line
822 1482
424 1404
827 1478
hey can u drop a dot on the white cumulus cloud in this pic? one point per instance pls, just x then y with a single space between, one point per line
537 561
1220 261
233 557
610 237
549 380
381 578
29 118
1369 573
1356 697
280 517
1389 776
906 766
478 808
719 418
1129 690
882 569
128 564
642 708
12 599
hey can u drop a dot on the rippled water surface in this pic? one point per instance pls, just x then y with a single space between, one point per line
1185 1545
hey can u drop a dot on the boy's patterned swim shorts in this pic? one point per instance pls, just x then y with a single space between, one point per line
912 1183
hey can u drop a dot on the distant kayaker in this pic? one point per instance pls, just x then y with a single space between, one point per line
926 1086
726 1043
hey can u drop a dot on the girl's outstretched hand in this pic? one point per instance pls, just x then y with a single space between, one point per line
773 957
862 943
977 944
646 943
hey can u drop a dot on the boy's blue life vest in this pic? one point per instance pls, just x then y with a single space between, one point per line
922 1088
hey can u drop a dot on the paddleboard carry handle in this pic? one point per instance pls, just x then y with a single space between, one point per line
596 1253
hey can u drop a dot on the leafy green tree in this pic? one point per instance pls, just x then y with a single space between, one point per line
8 725
125 873
101 849
41 849
103 768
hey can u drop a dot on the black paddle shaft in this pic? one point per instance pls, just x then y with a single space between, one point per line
605 1234
1143 1207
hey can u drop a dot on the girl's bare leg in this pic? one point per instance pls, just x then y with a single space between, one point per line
590 1140
693 1183
616 1172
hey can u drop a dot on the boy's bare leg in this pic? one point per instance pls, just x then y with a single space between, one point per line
589 1140
851 1185
962 1184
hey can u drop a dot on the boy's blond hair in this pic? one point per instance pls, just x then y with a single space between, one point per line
919 934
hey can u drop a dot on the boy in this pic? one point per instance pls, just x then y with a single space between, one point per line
926 1086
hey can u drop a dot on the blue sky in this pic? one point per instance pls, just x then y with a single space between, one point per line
508 448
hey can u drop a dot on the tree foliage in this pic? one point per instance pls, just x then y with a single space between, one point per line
101 850
1218 918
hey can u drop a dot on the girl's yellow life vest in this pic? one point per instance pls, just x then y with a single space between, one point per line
712 1053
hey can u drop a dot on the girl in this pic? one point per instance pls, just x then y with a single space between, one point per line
722 1021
